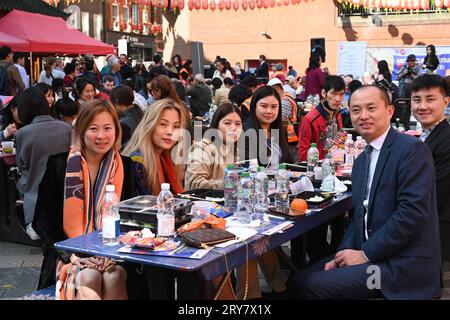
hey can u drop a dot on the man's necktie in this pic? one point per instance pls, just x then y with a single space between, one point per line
365 170
364 179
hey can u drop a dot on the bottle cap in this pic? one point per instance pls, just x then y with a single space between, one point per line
110 188
165 186
260 169
314 145
244 175
282 166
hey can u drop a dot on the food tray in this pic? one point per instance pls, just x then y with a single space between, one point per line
141 212
327 199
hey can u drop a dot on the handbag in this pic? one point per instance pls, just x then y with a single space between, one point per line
205 237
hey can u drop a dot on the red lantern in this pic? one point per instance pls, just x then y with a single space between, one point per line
191 4
155 3
235 4
286 2
212 5
228 4
173 4
259 4
447 4
438 3
272 3
198 4
165 3
279 3
180 4
204 4
424 4
221 5
251 4
244 5
266 4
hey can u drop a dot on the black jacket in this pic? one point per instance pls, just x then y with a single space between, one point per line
432 62
439 143
129 121
263 70
253 144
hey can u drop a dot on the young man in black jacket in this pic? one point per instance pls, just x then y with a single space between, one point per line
429 98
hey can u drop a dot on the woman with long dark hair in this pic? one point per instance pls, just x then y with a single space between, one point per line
431 61
209 157
315 77
266 119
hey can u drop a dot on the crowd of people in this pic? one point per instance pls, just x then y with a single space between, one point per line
81 128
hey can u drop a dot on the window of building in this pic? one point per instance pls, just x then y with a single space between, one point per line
126 17
115 17
135 14
145 28
98 26
85 23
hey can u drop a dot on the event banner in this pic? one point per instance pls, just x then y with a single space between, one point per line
396 58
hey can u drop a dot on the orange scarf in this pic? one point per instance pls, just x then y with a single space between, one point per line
82 204
170 174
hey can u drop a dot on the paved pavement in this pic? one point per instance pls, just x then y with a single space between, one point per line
20 268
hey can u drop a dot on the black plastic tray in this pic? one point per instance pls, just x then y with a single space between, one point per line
204 193
327 199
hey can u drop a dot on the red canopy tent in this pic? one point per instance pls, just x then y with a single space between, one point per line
46 34
15 43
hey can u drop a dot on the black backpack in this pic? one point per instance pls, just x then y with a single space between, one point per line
4 79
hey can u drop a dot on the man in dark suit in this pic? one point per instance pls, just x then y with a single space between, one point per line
391 247
263 69
429 98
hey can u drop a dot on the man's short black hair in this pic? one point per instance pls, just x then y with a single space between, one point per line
4 51
383 93
157 58
428 81
334 82
354 85
89 65
17 56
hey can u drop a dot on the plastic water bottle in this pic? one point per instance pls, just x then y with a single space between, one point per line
245 199
230 187
261 184
360 144
328 174
282 195
348 151
312 158
165 215
110 217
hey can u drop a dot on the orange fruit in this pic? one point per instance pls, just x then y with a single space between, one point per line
298 207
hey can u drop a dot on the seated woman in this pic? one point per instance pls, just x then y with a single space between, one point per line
264 127
39 137
64 209
84 92
208 158
151 144
150 148
9 120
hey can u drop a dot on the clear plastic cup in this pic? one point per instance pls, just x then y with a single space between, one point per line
8 146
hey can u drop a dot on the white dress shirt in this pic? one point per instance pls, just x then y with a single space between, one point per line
376 144
23 75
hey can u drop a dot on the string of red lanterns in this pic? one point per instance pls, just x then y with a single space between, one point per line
218 4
